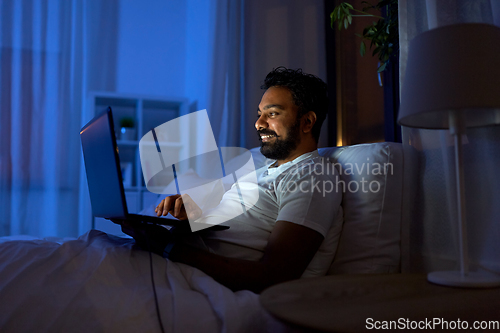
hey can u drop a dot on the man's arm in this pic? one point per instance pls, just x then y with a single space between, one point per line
289 250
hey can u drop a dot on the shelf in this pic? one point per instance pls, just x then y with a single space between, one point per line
127 142
164 144
132 188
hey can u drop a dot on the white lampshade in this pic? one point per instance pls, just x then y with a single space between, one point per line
452 68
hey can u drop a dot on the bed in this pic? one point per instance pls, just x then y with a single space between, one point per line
103 283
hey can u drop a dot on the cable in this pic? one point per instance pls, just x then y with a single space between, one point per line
154 287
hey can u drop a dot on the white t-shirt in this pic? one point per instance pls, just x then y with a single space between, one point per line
303 191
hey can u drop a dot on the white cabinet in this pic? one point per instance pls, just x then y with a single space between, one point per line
146 113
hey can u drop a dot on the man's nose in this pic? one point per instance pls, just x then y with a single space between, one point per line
261 123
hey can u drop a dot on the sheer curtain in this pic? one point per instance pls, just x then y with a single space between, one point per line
433 236
227 91
51 54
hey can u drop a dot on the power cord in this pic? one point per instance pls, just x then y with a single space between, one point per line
154 287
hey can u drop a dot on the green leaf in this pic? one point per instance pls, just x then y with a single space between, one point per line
382 35
333 18
362 49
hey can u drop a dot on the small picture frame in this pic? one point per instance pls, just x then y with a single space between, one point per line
126 168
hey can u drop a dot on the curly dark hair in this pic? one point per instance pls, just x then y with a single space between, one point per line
309 92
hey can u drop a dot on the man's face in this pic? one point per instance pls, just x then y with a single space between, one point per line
277 125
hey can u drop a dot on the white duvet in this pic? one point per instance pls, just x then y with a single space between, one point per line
101 283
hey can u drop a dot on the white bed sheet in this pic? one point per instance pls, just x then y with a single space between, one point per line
102 283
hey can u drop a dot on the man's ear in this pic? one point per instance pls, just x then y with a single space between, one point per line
309 121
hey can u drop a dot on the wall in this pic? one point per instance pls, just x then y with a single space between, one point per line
200 35
151 56
166 48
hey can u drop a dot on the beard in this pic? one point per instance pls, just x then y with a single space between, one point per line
280 149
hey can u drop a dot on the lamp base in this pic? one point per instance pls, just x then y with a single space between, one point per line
470 280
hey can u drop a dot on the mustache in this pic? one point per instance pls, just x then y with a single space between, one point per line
266 132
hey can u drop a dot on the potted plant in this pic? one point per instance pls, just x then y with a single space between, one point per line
383 34
127 129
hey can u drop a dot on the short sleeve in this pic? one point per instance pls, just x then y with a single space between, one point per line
310 195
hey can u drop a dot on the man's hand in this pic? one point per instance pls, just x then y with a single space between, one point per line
181 207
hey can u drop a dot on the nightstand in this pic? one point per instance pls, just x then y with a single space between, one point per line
353 303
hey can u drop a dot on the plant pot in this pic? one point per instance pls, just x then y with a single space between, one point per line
127 133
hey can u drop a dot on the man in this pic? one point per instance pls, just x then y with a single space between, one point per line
290 232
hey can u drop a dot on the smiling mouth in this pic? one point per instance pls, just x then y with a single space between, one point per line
267 137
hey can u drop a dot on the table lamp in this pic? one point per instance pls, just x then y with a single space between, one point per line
453 81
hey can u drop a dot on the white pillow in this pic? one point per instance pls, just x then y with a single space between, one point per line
371 234
370 237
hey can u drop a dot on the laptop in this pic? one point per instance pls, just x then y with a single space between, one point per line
104 178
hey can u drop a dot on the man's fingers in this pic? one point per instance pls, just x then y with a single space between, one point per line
169 204
159 208
178 206
165 206
173 204
162 207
